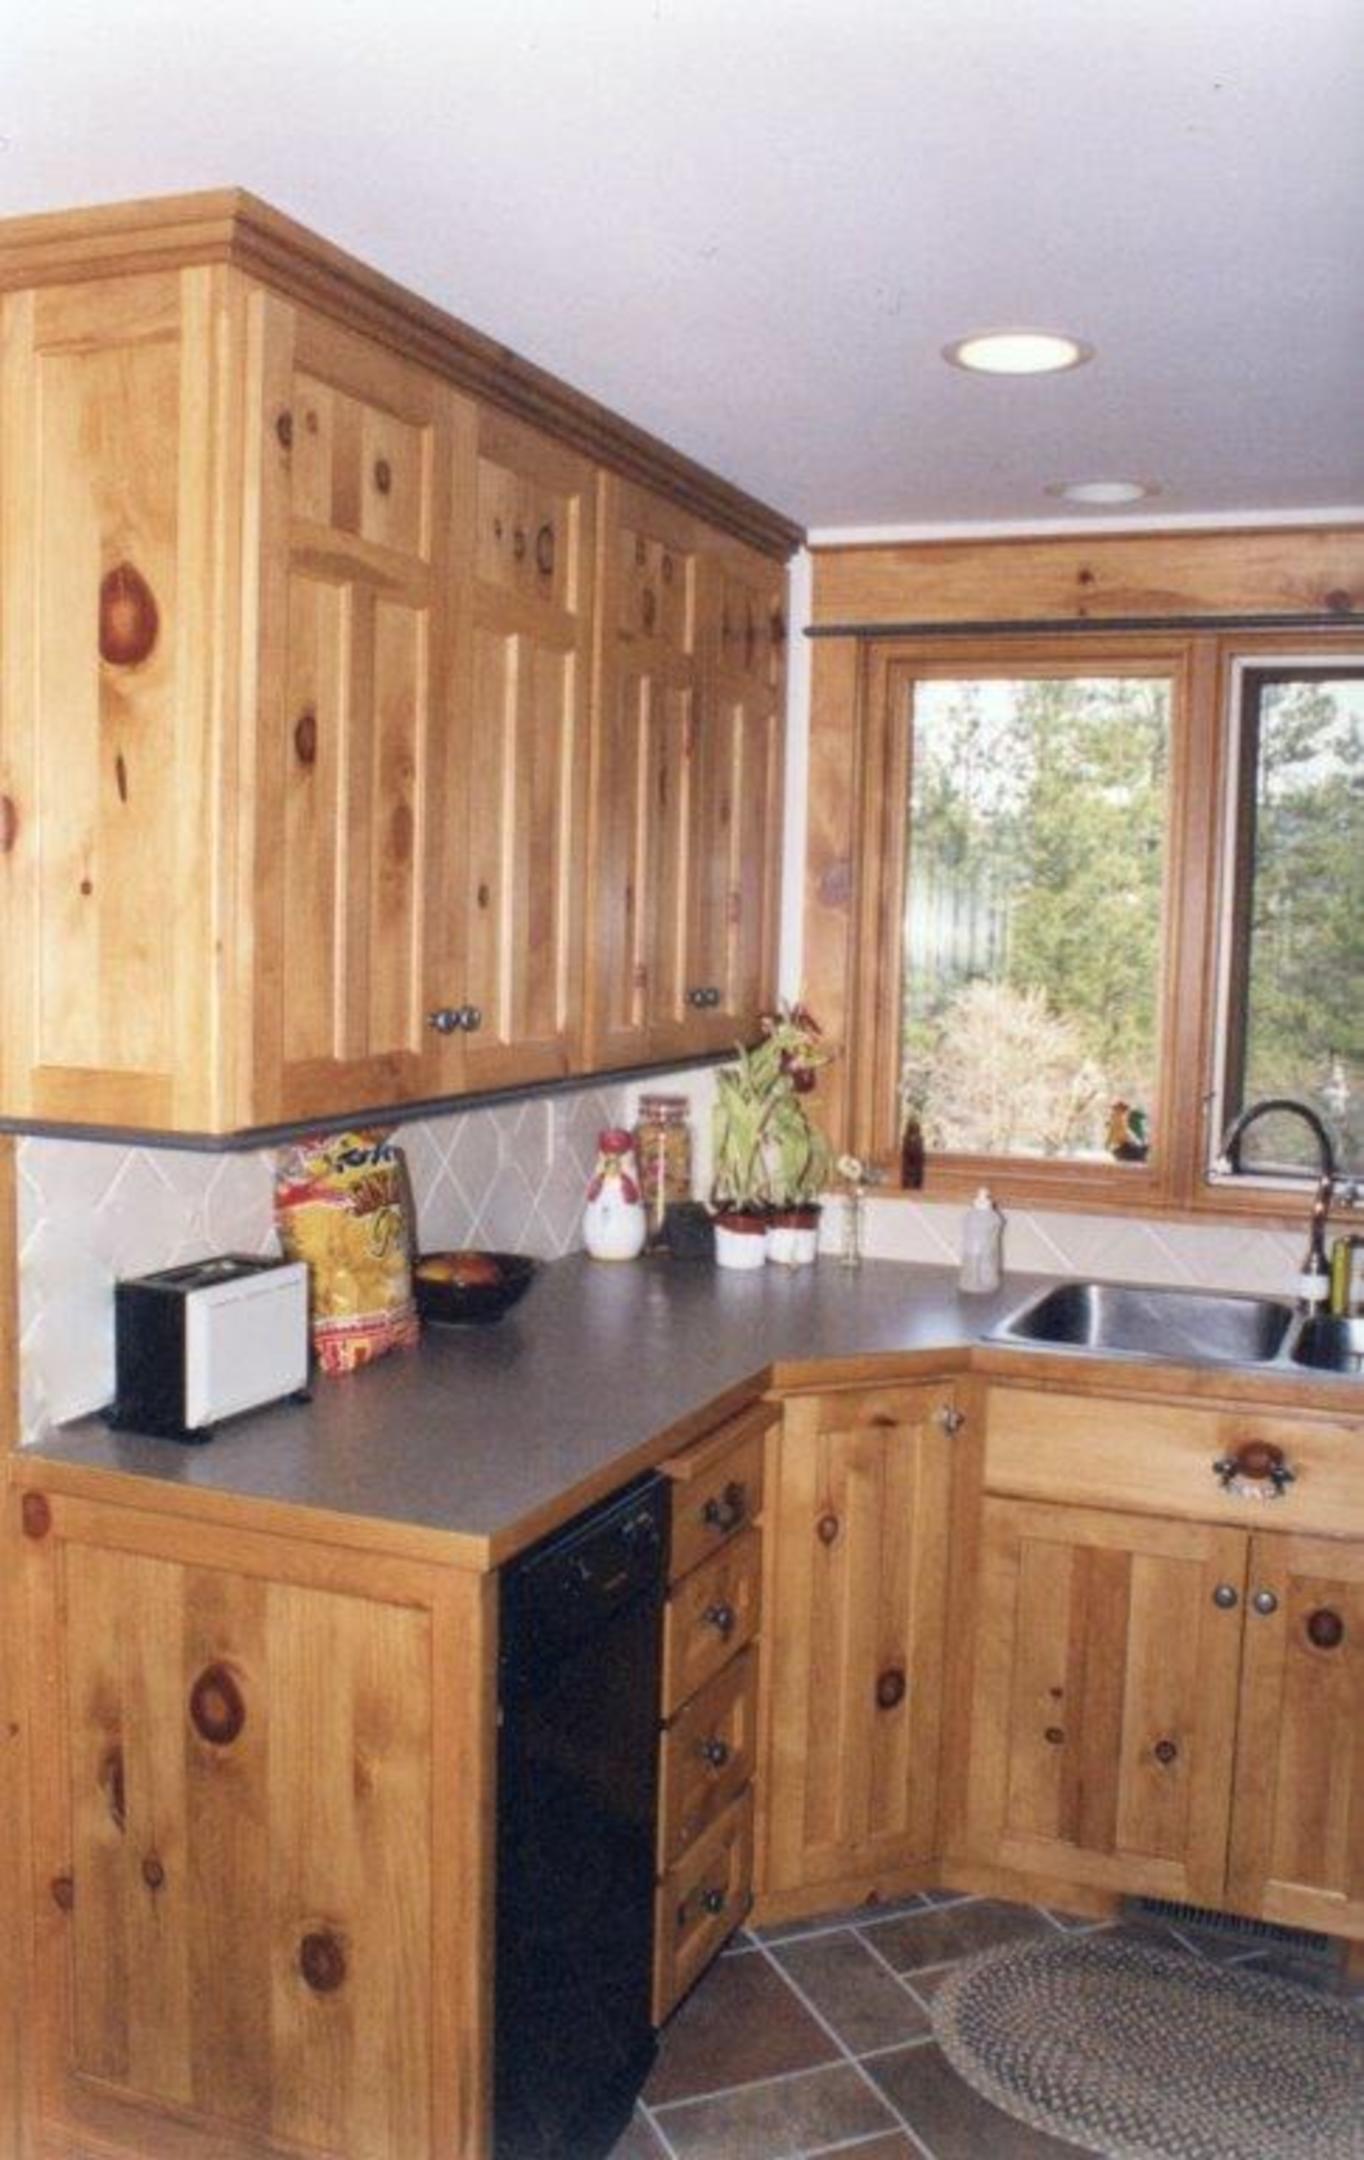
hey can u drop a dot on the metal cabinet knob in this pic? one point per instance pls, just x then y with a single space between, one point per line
725 1511
1226 1597
1265 1602
714 1751
951 1420
713 1901
455 1019
722 1618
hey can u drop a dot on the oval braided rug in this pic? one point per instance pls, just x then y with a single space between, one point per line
1141 2052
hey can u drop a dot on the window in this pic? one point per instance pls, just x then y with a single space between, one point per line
1292 1003
1031 945
1110 891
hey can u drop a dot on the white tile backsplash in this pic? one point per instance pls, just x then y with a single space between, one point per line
1120 1248
511 1176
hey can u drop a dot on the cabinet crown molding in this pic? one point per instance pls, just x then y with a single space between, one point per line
232 226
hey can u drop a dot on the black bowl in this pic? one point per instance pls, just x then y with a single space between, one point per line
456 1303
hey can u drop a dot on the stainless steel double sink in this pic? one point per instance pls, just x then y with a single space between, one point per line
1192 1327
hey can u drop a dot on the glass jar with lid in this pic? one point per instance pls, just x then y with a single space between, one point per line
663 1153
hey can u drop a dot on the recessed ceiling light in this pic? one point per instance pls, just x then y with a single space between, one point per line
1103 494
1017 352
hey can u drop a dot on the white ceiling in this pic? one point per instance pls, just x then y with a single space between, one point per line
750 225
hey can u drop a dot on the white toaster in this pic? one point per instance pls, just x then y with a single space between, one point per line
194 1345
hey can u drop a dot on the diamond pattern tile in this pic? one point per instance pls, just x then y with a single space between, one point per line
509 1175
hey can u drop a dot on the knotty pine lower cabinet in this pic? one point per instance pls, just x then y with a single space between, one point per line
1104 1713
857 1527
1171 1708
1297 1826
261 1841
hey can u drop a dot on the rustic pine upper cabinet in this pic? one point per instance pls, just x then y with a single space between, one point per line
687 784
310 714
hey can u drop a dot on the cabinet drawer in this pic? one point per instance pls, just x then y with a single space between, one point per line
700 1902
707 1756
718 1487
1159 1457
710 1615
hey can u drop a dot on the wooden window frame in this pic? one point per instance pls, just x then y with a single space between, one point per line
872 758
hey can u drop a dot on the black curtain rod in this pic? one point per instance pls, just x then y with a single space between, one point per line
1087 625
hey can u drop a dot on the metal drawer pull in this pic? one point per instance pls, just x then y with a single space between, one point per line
721 1618
1265 1603
726 1510
714 1752
709 1901
951 1420
1257 1471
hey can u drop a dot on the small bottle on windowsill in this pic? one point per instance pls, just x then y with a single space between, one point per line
912 1155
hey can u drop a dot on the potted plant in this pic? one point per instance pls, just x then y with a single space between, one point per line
738 1179
769 1160
799 1159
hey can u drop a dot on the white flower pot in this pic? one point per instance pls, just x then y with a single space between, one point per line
792 1244
739 1248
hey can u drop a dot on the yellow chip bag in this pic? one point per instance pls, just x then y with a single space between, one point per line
339 1206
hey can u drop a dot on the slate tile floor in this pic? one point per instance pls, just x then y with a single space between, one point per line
815 2039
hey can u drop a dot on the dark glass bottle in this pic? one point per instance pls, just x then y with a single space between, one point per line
912 1155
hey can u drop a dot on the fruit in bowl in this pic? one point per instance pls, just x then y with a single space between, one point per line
460 1267
458 1287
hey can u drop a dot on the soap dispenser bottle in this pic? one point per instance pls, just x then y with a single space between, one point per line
982 1233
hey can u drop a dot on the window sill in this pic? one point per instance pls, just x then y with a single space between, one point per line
1097 1190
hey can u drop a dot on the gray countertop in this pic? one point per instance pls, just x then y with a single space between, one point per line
489 1432
483 1437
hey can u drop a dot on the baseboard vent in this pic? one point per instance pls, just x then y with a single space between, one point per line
1303 1940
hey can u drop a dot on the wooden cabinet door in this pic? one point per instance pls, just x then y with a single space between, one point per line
648 701
1104 1711
735 838
516 885
255 1921
686 786
120 428
856 1537
1297 1842
358 465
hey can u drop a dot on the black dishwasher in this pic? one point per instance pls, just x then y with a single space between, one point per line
581 1620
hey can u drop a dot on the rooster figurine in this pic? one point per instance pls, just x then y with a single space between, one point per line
1128 1138
614 1222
